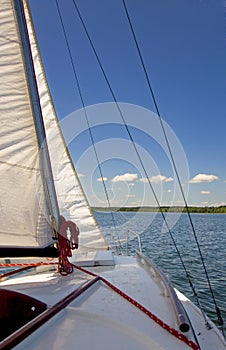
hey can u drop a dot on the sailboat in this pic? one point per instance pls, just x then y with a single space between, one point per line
67 289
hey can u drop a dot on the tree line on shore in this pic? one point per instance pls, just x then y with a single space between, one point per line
175 209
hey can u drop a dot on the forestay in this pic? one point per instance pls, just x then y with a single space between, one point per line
24 212
71 198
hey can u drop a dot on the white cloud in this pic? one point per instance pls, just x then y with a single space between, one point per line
205 192
219 204
169 179
130 195
157 179
100 179
143 179
81 175
203 178
125 177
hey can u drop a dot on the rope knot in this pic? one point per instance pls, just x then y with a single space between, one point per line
68 241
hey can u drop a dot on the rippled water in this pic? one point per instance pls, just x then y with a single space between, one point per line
159 247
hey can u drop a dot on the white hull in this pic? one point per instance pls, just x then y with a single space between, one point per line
101 318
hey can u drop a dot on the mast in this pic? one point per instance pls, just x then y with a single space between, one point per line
38 180
72 201
29 213
45 164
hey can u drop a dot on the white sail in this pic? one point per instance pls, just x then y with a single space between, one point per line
23 213
71 198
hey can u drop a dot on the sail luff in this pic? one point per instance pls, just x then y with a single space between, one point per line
24 213
72 201
46 170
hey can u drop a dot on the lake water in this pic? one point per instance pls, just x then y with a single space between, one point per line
158 246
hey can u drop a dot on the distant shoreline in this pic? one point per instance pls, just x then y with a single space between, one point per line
176 209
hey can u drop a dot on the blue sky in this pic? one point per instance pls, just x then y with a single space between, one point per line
183 46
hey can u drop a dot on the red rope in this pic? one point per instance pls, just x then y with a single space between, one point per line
7 274
27 264
161 323
23 267
67 242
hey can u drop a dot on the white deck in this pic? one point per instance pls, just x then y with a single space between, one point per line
101 319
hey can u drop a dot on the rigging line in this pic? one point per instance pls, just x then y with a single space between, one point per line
118 107
87 120
136 151
220 320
